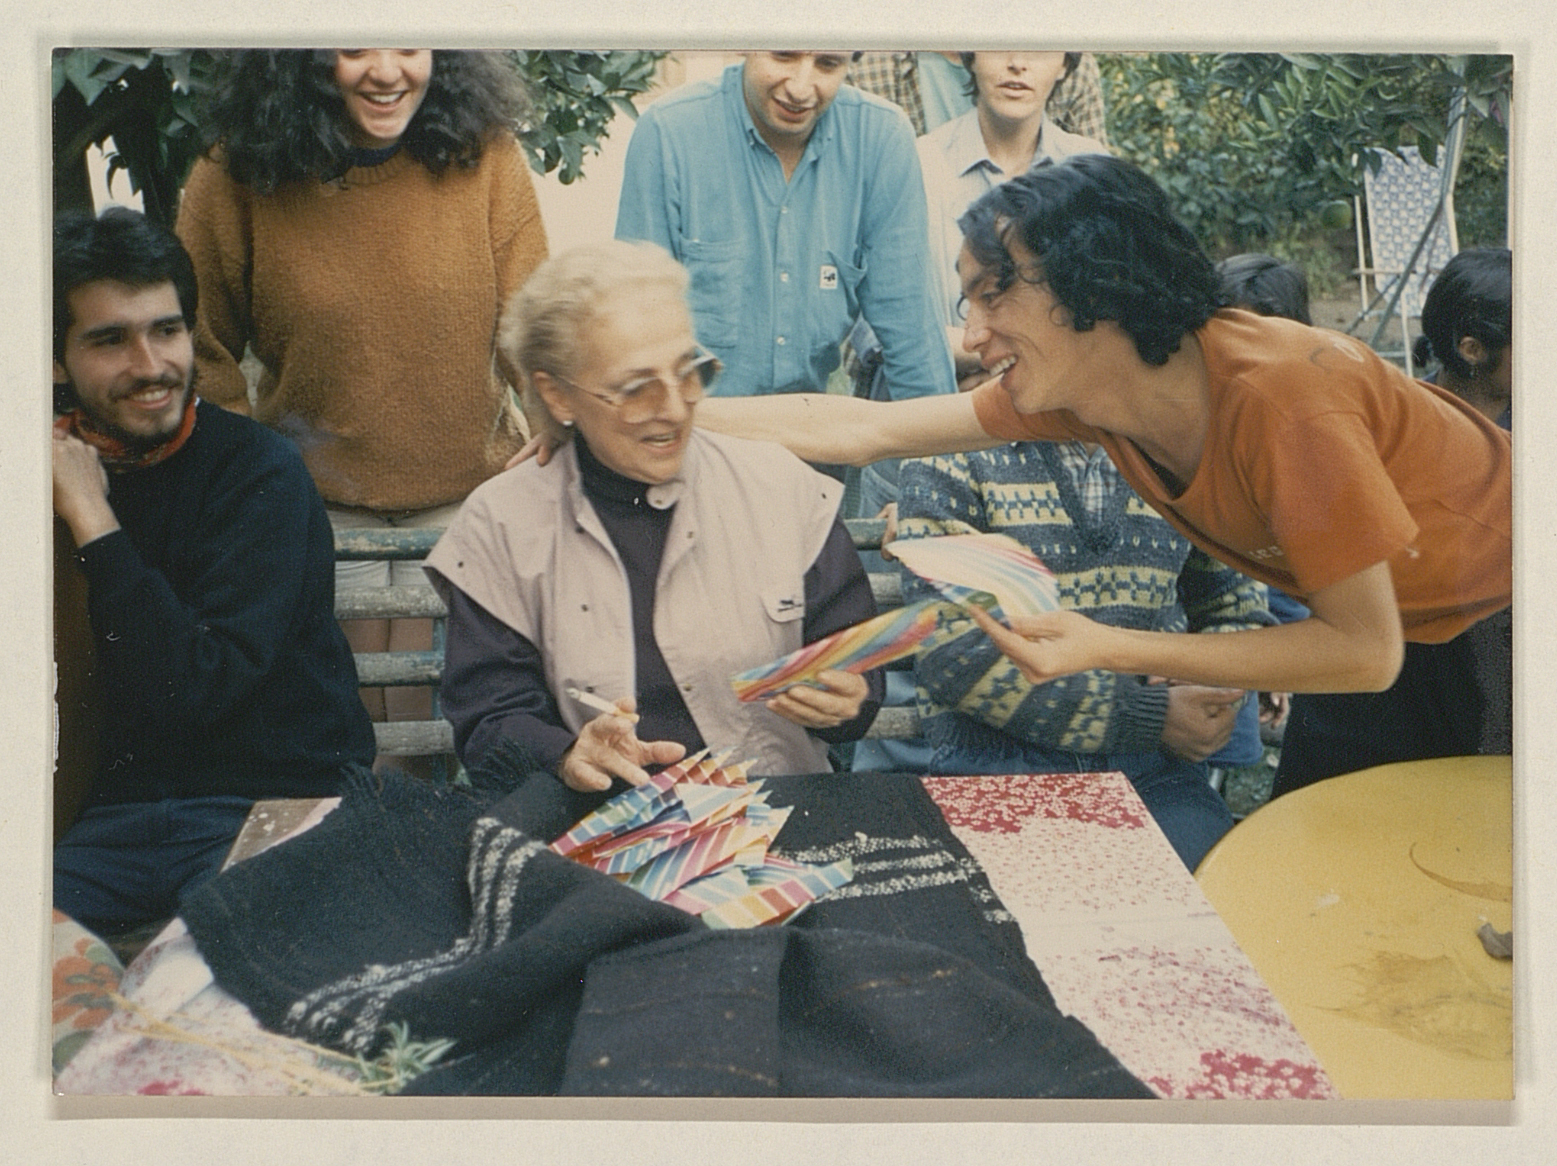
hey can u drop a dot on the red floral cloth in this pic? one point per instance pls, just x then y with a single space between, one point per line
86 971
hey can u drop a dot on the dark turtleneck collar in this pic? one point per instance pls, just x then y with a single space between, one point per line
603 484
363 159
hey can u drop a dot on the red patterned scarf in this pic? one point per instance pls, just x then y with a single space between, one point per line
115 453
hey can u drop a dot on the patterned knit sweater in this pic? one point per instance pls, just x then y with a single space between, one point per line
1125 567
372 303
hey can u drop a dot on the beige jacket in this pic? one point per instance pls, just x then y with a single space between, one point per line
750 520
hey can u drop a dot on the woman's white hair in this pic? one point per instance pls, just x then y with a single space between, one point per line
544 326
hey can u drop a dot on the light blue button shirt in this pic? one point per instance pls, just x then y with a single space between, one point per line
958 170
943 89
780 270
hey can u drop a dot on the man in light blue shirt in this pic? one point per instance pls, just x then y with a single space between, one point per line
796 203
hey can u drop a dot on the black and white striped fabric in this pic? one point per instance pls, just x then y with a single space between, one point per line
445 911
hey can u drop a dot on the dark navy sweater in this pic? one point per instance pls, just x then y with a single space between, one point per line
222 668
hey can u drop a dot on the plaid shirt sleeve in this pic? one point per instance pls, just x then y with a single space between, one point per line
894 77
1077 102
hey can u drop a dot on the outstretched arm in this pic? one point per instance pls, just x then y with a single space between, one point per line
959 668
839 430
1351 643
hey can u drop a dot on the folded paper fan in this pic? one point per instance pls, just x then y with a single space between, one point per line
993 571
780 890
877 641
965 566
697 836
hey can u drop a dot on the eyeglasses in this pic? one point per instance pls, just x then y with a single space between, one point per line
637 399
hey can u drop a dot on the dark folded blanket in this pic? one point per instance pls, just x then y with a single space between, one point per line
444 910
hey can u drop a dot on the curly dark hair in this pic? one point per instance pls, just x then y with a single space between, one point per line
1107 247
277 116
1264 284
1472 296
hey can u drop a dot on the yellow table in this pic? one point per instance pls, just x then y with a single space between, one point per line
1358 900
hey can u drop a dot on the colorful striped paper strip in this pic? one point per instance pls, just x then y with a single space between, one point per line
887 637
697 855
719 886
778 893
961 566
635 807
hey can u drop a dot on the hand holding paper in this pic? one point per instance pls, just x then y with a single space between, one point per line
833 698
988 571
1047 646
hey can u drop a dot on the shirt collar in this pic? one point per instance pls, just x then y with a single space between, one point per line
735 98
965 148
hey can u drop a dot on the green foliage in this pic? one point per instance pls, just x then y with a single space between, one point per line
145 100
141 98
401 1062
1256 149
576 94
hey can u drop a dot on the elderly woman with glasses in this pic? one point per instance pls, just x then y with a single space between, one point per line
599 604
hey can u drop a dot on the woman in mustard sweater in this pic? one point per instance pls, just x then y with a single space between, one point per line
358 223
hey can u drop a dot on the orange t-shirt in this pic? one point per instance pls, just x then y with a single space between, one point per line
1321 460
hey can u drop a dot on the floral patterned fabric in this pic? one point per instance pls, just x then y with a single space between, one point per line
1124 937
86 973
1120 929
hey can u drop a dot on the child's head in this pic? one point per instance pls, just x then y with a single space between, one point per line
1467 321
1264 284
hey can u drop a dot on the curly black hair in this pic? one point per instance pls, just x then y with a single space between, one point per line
1264 284
1472 296
1106 246
277 117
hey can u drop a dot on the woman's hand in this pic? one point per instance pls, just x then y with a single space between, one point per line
1043 647
827 707
608 747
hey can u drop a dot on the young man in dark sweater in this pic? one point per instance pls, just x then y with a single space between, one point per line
223 675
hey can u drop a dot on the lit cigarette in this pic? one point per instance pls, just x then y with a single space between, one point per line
600 705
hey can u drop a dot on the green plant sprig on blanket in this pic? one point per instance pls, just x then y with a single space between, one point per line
307 1068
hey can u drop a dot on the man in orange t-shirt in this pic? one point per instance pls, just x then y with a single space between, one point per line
1291 453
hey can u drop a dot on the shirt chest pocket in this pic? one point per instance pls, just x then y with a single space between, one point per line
786 611
717 291
834 300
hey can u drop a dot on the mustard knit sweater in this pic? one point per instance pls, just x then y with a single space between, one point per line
372 303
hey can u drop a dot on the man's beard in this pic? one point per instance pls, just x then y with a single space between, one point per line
135 444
